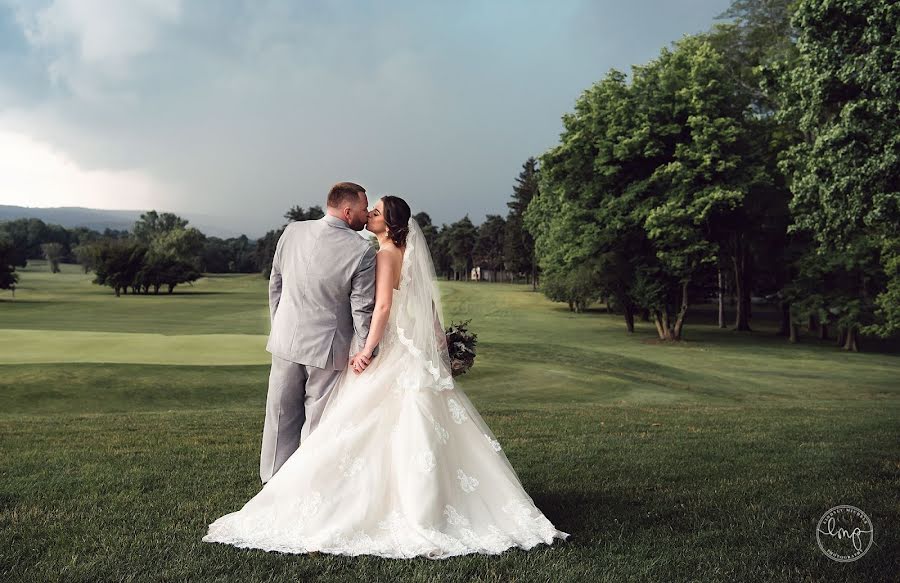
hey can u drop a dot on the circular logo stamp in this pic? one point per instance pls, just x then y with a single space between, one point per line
844 533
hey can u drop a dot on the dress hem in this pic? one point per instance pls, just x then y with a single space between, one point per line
285 549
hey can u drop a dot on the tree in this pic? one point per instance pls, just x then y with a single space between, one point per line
8 275
518 243
753 239
705 181
759 34
172 258
172 252
487 252
182 244
118 263
242 255
115 234
429 231
577 287
216 256
152 225
586 214
844 172
52 253
232 255
296 213
460 240
86 255
26 236
265 251
650 188
438 241
159 270
440 252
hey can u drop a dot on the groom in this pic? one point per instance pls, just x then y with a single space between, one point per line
321 293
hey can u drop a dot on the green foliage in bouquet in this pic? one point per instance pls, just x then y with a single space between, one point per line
461 345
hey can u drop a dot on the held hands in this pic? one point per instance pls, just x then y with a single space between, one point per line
361 360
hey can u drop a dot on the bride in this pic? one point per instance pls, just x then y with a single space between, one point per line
401 464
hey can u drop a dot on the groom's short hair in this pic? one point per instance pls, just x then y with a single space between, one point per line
344 192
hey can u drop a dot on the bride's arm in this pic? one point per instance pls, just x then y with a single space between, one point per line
385 274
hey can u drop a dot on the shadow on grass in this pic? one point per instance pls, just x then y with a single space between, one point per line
577 513
635 372
766 337
701 326
595 516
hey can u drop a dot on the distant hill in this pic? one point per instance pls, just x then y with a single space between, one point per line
101 219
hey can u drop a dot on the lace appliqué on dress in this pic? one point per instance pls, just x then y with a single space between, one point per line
466 482
350 466
457 411
495 445
425 461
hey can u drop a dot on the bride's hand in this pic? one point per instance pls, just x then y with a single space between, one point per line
361 360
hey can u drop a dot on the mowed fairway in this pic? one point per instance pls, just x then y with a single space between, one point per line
128 424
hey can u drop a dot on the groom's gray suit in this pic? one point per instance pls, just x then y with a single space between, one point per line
321 294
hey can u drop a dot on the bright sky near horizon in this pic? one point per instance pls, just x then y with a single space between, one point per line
242 109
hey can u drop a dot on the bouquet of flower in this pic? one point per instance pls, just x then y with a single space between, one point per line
461 346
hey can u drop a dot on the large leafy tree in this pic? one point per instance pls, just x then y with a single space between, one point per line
575 184
153 224
586 217
645 182
118 263
163 252
843 91
173 258
705 181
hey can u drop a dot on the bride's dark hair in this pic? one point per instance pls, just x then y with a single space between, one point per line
396 217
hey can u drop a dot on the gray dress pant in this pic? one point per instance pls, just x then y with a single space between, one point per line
294 404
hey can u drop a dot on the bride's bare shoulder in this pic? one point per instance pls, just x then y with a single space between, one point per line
390 253
388 262
389 257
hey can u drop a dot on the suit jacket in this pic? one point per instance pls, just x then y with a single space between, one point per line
321 293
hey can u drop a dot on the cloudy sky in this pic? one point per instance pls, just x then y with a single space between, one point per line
241 109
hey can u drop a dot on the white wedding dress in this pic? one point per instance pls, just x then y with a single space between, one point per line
401 464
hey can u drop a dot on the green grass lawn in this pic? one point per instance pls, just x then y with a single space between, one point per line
128 424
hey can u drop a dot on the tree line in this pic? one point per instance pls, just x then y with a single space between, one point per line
162 251
760 156
500 248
